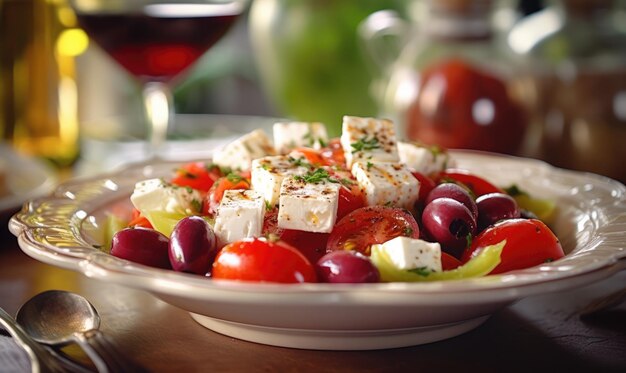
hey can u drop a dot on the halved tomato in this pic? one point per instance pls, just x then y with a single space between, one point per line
333 154
311 244
426 185
476 184
448 262
196 175
313 156
366 226
215 194
138 220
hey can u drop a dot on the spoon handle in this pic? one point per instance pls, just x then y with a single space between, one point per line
40 358
104 354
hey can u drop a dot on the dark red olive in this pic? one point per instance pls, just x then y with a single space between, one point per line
141 245
192 246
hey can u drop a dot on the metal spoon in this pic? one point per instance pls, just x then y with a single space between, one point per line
59 317
41 360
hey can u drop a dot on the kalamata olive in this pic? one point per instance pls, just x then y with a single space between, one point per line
346 266
494 207
192 246
449 222
456 192
141 245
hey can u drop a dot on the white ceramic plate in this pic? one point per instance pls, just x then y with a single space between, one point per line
62 230
26 178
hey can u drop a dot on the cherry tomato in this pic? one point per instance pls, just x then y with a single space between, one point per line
215 194
448 262
529 242
333 154
197 176
476 184
426 185
313 156
311 244
139 221
260 260
366 226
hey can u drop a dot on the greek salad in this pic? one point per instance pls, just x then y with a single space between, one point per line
362 208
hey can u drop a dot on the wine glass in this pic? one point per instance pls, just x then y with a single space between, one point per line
156 41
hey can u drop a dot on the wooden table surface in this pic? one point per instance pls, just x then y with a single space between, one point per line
541 332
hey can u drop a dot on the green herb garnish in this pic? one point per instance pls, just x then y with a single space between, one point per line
365 144
234 178
315 177
299 162
197 205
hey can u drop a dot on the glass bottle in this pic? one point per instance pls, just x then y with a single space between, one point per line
579 76
310 60
38 110
454 82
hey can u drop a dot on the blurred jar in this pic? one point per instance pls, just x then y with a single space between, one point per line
39 41
310 58
577 49
454 83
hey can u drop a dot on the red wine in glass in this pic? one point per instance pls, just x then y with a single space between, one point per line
159 41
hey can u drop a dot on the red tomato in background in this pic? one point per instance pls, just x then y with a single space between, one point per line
366 226
215 194
529 242
196 175
478 185
262 261
460 106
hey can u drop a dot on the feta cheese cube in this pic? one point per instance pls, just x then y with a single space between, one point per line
239 153
239 215
384 183
290 135
310 207
159 195
368 139
268 173
424 159
411 253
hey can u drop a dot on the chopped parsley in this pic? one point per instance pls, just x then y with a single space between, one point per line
197 205
299 162
186 174
234 178
514 191
407 231
369 165
315 177
365 144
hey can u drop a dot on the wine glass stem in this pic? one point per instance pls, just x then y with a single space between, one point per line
158 102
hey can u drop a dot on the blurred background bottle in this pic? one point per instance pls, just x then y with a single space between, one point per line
38 44
455 82
577 52
309 57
